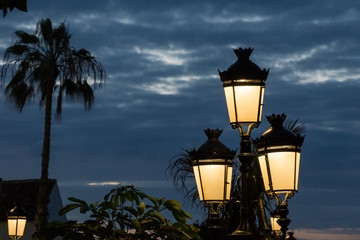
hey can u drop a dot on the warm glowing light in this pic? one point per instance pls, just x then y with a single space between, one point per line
274 224
16 225
212 166
244 103
213 182
280 171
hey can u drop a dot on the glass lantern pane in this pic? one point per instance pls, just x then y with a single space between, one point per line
12 222
297 170
264 172
21 227
16 226
261 102
244 103
229 95
284 170
228 183
198 182
210 181
213 181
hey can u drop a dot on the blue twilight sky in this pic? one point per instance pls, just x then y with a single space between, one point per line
163 88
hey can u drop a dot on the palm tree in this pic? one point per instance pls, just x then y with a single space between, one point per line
40 65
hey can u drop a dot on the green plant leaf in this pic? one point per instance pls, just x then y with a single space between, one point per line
172 204
141 209
136 224
179 216
159 217
131 210
76 200
189 231
187 215
68 208
109 222
152 199
161 201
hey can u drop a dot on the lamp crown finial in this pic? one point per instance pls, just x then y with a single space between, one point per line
277 134
243 68
213 134
212 148
276 120
243 53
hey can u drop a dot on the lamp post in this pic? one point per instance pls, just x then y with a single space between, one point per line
278 152
279 157
16 223
244 86
212 165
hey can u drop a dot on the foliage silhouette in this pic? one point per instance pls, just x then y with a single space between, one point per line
11 4
125 213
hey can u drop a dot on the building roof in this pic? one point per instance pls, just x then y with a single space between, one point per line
23 193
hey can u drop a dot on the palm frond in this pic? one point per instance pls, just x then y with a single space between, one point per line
79 90
26 38
16 50
180 169
45 31
19 94
294 126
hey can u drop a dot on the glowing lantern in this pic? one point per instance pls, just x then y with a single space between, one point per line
279 157
16 223
212 165
244 86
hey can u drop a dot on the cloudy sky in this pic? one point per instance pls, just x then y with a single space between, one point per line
162 89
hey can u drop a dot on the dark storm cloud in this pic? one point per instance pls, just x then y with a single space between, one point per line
163 88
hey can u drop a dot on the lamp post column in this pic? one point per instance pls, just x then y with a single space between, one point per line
244 86
283 221
247 224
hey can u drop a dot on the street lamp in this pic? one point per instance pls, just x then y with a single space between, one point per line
279 157
212 165
16 223
244 86
278 152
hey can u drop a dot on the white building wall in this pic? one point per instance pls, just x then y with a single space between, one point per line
55 205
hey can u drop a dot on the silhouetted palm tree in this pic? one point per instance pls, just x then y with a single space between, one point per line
39 65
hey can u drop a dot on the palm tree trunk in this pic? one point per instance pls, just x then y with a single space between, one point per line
43 195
